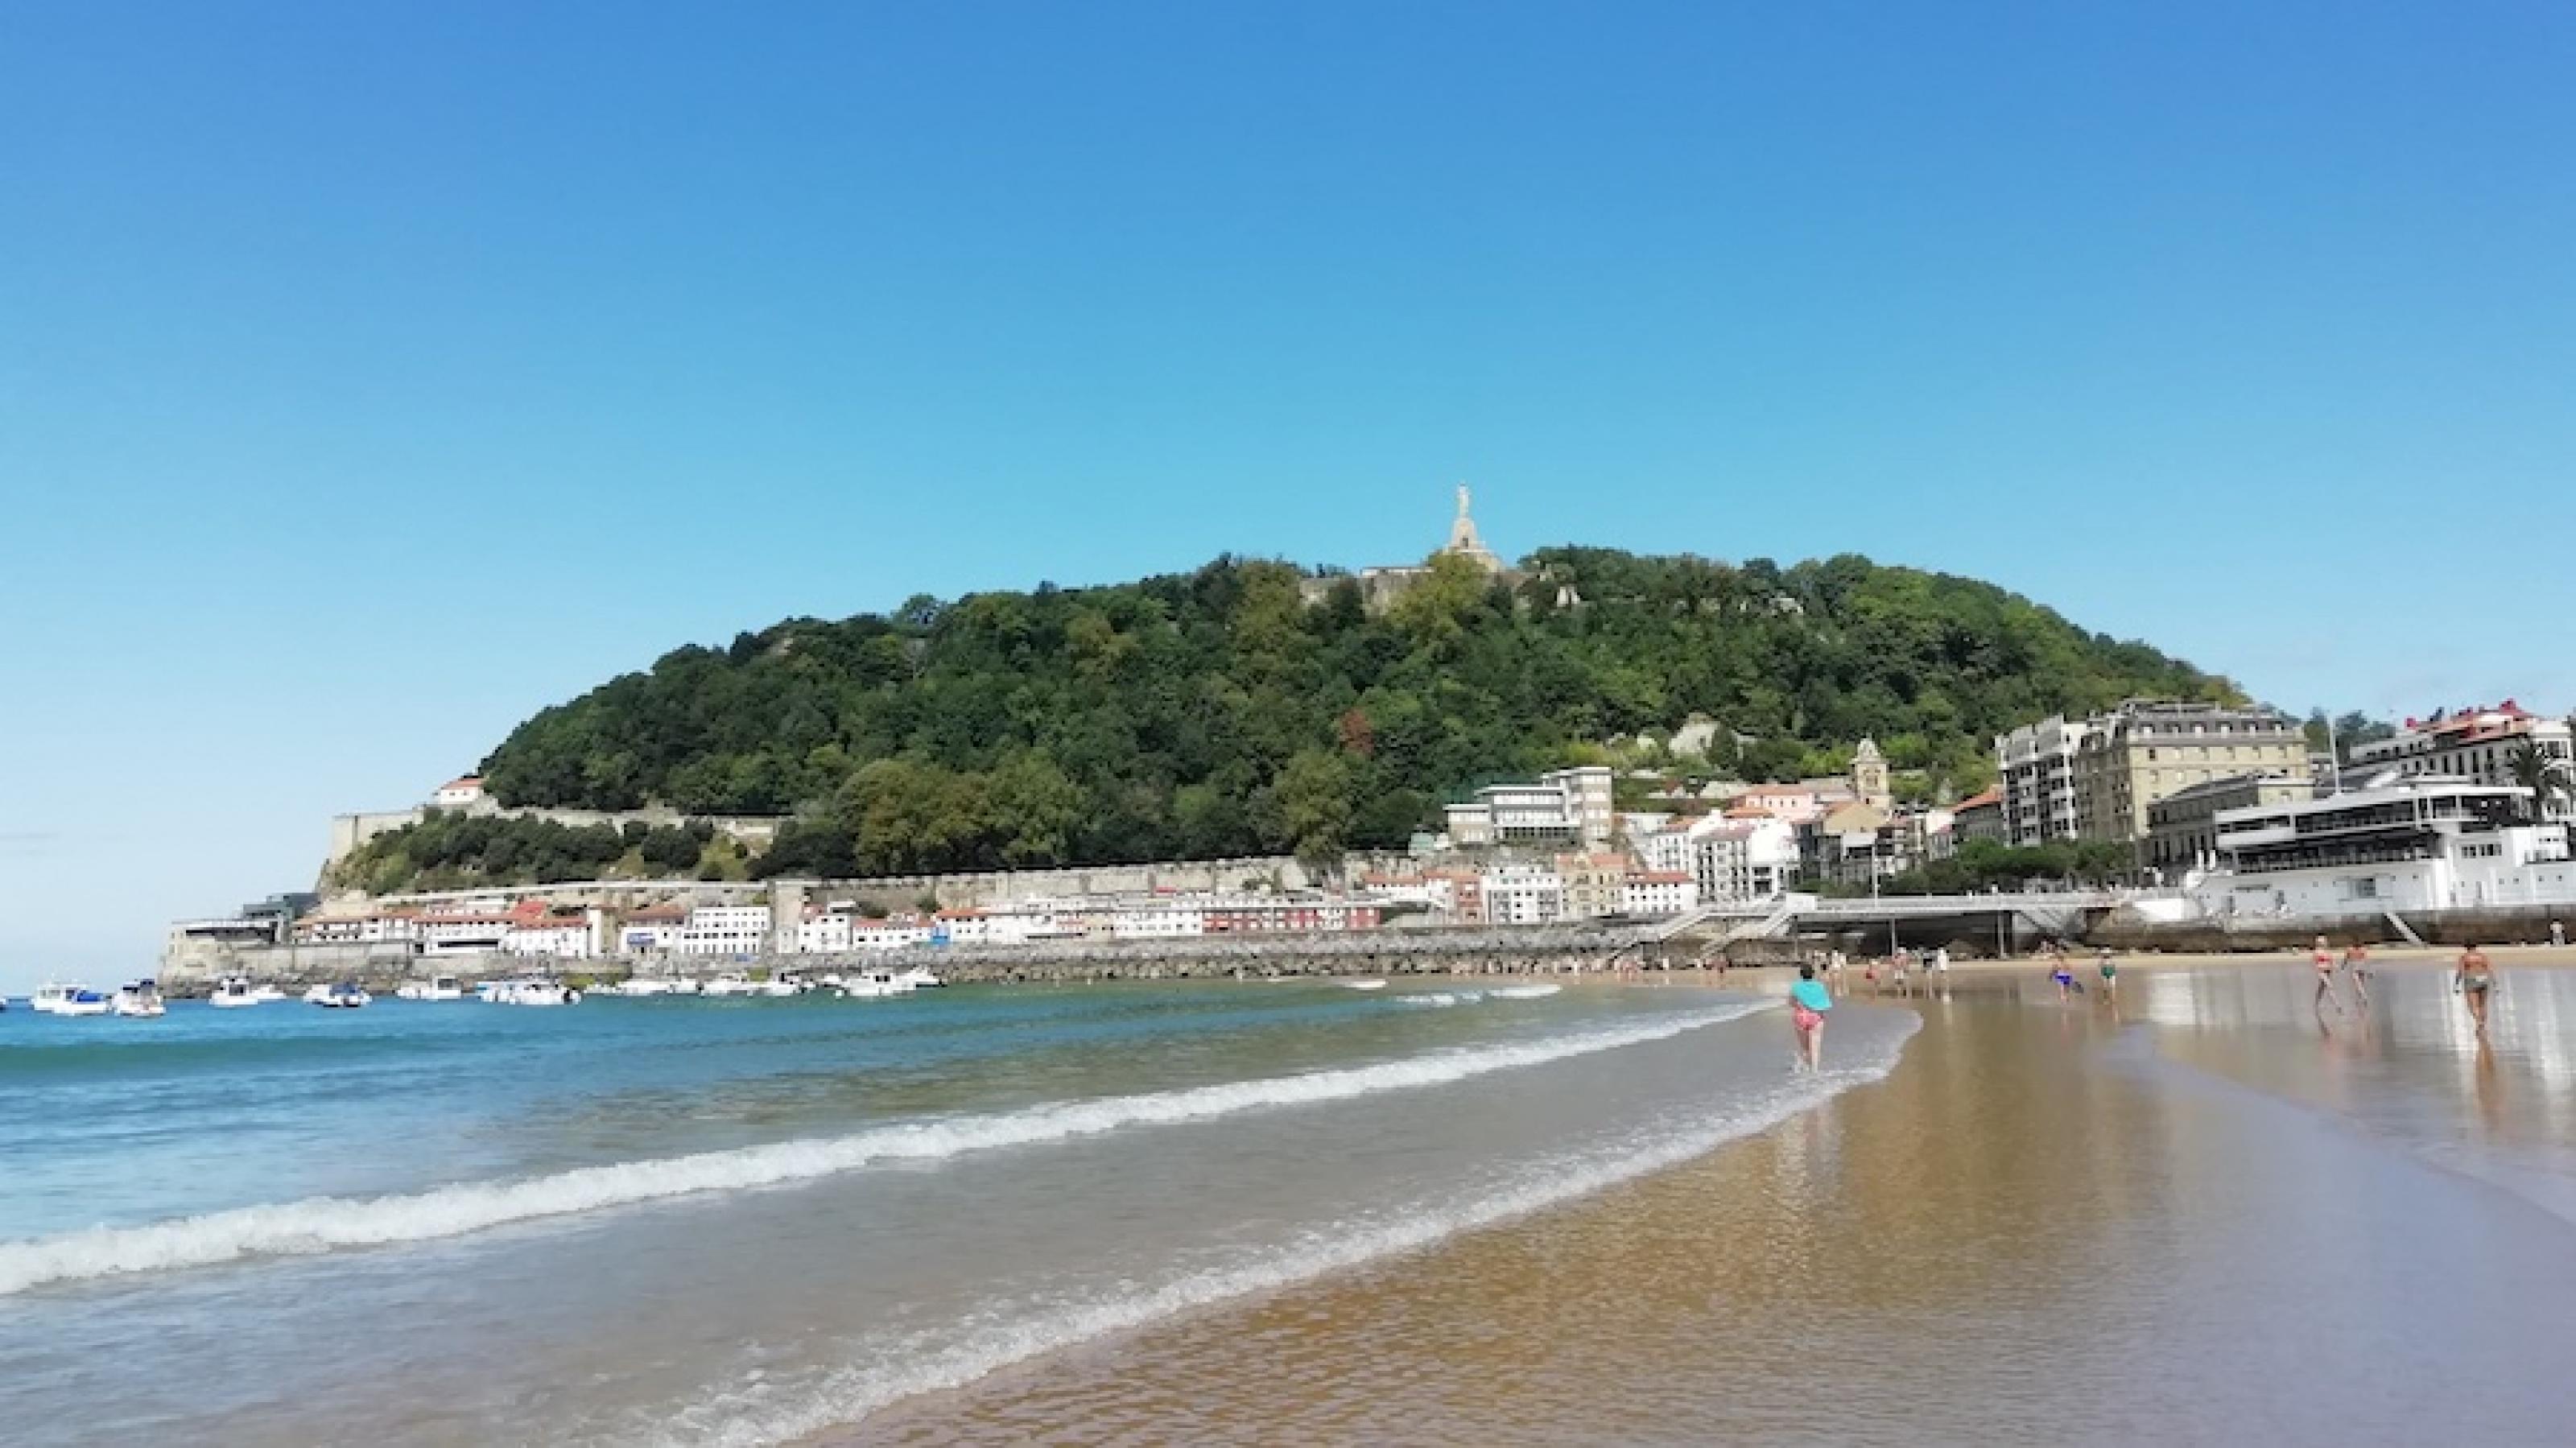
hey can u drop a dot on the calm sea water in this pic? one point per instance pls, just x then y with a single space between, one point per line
675 1221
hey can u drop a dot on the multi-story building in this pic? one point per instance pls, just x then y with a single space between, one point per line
1981 817
1564 807
2477 743
2182 827
1522 895
652 930
1658 892
2036 764
554 937
726 930
1751 857
823 932
1595 884
1588 803
2416 844
2144 750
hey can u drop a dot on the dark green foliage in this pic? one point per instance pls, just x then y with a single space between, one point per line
1214 713
1982 865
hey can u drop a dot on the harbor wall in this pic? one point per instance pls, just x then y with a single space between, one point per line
192 971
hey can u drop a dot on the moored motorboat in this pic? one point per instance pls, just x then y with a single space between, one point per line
645 985
140 998
56 999
730 983
873 985
343 995
234 991
529 993
436 988
920 978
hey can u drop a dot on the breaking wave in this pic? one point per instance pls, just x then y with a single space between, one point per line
743 1418
323 1224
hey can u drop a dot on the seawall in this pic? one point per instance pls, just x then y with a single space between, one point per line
1535 950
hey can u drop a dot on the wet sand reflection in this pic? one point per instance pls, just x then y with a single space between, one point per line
2200 1215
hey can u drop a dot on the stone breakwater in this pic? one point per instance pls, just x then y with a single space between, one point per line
1536 950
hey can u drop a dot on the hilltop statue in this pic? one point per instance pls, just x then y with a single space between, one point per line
1463 540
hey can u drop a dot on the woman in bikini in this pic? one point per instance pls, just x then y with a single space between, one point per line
2475 979
1808 1002
2323 958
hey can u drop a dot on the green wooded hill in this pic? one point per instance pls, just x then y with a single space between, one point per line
1217 713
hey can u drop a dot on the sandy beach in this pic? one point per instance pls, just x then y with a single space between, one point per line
2205 1214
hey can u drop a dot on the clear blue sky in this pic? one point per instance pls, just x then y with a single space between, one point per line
371 376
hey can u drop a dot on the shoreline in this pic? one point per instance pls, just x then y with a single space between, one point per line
2027 1230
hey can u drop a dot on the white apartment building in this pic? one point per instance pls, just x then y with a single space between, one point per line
726 930
1565 807
1588 803
1668 851
2478 743
888 934
1658 892
2037 766
653 930
2418 844
1522 895
556 939
462 934
1174 919
823 932
1748 858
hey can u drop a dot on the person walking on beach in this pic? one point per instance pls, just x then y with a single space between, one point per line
2323 958
2064 977
2110 970
1808 1002
1834 972
2356 963
1896 963
2474 979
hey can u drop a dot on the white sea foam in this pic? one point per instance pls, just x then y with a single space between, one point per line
321 1224
1523 992
1436 998
766 1414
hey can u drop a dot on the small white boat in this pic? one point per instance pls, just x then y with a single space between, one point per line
344 996
920 978
1362 984
644 985
140 998
235 990
55 999
438 988
874 985
530 993
731 983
